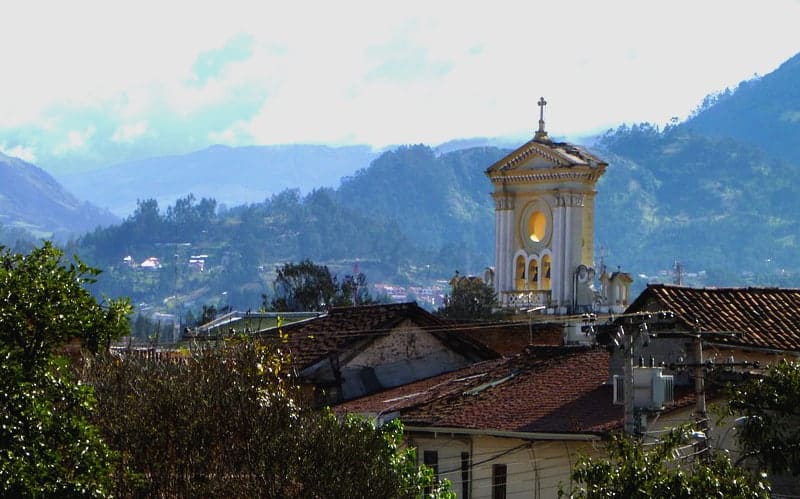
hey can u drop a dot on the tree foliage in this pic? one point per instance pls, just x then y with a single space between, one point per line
470 298
48 446
45 304
309 287
670 468
227 421
769 407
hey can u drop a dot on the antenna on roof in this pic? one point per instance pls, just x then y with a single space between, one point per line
677 273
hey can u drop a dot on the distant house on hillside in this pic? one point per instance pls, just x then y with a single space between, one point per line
151 263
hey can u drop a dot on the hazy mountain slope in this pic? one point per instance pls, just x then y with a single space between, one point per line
33 200
441 203
231 175
712 203
764 112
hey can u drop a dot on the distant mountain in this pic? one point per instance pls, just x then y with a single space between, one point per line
763 112
231 175
32 200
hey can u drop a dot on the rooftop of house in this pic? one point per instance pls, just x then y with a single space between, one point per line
543 389
511 337
343 328
245 322
746 317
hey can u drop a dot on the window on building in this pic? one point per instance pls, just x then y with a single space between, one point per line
537 226
546 264
519 273
431 459
499 477
465 475
533 274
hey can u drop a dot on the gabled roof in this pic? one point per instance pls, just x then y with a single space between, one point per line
544 389
761 317
555 154
345 328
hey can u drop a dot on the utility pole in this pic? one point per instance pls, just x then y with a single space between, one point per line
630 423
701 416
699 380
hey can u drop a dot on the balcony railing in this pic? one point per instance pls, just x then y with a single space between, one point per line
525 298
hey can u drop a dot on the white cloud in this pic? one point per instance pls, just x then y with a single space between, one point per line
129 132
21 152
379 73
75 140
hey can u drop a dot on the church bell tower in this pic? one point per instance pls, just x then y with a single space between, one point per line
544 195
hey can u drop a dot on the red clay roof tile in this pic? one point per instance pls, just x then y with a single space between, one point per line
761 317
545 389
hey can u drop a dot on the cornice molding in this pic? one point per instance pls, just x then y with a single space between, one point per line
547 176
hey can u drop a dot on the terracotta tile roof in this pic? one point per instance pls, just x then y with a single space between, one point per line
508 338
544 389
765 317
343 328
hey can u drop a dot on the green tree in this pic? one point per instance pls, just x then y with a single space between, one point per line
48 447
769 407
304 287
228 421
470 298
379 464
669 468
45 304
354 290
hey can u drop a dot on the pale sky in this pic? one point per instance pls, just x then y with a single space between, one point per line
97 82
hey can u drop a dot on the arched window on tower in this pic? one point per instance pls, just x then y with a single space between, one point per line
533 274
546 264
519 273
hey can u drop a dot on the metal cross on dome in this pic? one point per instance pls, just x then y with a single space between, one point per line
541 104
541 134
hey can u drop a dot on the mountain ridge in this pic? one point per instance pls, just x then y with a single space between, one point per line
31 199
261 171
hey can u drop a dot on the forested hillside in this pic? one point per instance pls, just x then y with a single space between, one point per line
34 205
441 203
715 204
763 112
239 247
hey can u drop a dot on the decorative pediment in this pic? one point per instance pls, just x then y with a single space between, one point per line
543 155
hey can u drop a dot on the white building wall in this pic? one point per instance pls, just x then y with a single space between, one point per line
406 354
535 469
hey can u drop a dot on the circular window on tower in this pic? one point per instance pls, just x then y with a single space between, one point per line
535 226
